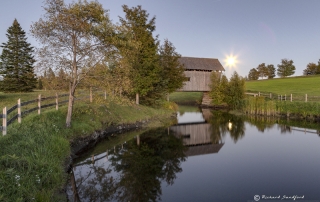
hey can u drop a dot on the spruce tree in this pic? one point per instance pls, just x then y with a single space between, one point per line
145 68
172 72
17 61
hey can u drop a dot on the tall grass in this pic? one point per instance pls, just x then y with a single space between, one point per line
262 106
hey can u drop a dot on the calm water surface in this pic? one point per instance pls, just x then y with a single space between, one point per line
206 156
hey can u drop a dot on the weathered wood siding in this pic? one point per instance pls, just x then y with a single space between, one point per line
199 81
197 137
199 133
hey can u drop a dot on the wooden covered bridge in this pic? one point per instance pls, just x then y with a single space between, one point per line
198 71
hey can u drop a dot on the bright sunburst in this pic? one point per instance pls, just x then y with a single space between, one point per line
231 60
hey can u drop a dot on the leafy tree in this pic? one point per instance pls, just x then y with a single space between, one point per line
286 68
75 36
253 74
312 69
17 61
262 70
144 59
271 71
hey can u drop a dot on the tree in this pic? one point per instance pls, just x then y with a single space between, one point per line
40 85
49 79
286 68
61 81
271 71
236 91
143 58
312 69
253 74
17 61
172 74
75 36
262 70
216 92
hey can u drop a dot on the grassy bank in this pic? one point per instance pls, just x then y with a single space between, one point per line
293 85
186 98
33 153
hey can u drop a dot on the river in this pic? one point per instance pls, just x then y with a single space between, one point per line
205 156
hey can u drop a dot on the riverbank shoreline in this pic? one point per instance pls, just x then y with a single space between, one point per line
37 153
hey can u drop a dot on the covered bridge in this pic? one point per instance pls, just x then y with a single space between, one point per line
198 71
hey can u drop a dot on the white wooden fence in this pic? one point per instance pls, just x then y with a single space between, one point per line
286 97
7 120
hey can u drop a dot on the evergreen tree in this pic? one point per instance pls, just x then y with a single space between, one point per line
286 68
172 72
40 85
17 61
62 80
216 92
236 91
144 61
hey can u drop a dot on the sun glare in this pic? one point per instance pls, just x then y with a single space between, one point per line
231 61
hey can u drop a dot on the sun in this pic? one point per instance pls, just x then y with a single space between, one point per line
231 60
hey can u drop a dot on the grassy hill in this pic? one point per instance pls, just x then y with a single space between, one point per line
293 85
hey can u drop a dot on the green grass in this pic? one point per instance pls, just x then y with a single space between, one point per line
10 99
186 97
293 85
33 153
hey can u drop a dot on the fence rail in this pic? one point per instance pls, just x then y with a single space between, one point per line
285 97
7 120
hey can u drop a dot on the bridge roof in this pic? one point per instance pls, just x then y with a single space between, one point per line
211 64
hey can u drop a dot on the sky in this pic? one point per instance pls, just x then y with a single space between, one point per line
253 31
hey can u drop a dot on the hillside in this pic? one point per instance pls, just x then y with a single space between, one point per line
293 85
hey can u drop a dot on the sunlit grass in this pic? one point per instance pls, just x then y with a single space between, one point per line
293 85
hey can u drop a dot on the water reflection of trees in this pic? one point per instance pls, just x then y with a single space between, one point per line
261 122
223 122
140 170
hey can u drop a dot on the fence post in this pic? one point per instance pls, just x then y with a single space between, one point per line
259 94
291 98
90 94
105 94
306 97
270 96
39 104
281 97
4 121
285 97
57 102
19 111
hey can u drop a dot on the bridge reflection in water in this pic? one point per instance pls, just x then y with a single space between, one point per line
197 134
